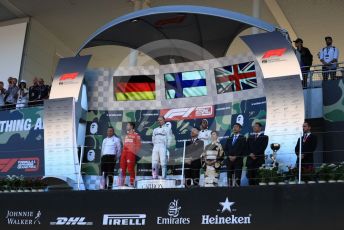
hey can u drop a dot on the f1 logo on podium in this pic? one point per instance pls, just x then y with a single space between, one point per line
275 52
71 221
67 76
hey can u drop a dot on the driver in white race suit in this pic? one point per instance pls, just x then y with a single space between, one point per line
161 141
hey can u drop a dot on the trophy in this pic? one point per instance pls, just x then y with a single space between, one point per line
274 147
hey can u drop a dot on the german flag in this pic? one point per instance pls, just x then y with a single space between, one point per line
134 88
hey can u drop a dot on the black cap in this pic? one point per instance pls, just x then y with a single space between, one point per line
328 37
298 40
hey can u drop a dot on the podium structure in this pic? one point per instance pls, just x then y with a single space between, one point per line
186 46
64 121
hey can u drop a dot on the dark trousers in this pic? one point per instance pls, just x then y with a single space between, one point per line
9 106
108 163
191 172
326 73
35 103
305 71
305 163
234 168
252 170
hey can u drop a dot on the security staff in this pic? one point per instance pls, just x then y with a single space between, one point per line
329 58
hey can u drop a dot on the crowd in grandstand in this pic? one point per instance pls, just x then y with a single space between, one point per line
19 95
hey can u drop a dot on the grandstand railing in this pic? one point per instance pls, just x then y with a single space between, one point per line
29 104
316 75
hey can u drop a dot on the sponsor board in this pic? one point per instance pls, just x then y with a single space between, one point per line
29 164
71 221
20 125
224 218
21 142
124 219
173 213
23 217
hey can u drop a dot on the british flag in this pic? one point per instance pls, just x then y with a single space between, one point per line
236 77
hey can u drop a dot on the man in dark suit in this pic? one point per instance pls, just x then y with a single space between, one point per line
309 144
256 145
193 152
235 150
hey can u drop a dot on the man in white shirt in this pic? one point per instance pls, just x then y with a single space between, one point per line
205 133
329 58
161 141
111 151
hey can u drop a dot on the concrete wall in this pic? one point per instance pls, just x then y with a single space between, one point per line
42 52
310 19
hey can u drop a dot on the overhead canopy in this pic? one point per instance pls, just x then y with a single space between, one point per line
210 29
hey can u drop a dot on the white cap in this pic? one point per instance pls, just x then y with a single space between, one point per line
22 81
205 121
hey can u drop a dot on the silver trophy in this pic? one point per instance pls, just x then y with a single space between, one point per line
274 147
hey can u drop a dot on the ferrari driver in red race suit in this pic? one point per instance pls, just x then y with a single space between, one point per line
131 147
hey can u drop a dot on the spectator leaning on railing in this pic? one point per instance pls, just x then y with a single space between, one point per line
329 58
38 91
11 93
15 81
2 94
33 90
43 90
23 95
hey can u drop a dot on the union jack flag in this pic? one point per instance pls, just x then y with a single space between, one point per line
236 77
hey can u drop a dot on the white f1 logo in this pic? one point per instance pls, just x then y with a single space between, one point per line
184 112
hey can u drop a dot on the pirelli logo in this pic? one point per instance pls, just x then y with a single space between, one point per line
124 219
